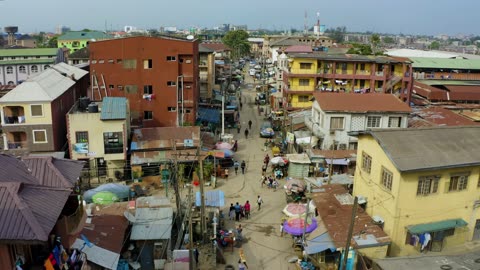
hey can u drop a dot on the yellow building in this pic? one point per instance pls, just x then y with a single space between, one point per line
206 68
309 72
98 133
419 182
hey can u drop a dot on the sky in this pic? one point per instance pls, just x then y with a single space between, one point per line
430 17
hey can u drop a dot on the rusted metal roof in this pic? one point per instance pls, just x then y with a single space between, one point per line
184 155
334 153
163 137
429 92
54 172
334 205
352 102
463 92
29 212
439 116
217 47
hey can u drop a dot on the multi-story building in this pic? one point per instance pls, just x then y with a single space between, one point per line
335 114
272 45
75 40
33 113
159 77
16 65
312 72
81 56
98 133
206 68
422 184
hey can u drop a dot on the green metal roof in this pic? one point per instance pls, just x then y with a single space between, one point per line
114 108
28 61
449 82
443 63
28 52
437 226
345 57
83 35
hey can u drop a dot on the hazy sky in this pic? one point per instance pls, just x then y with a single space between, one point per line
384 16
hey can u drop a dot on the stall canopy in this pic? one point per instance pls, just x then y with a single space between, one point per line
214 198
319 244
437 226
208 115
338 161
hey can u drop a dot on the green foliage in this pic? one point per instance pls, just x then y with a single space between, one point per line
435 45
388 40
362 49
52 42
338 34
238 42
375 41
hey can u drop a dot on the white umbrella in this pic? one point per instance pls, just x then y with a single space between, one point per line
279 160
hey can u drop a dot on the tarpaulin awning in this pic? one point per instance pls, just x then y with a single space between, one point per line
437 226
215 198
319 244
208 115
338 161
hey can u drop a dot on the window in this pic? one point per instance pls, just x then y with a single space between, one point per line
394 121
373 121
305 65
46 67
110 61
120 87
172 109
9 70
34 69
130 63
171 58
119 61
147 64
40 136
147 115
36 110
387 178
113 142
303 98
22 69
362 66
81 136
353 145
187 111
458 182
366 162
304 82
171 83
131 89
13 57
111 86
101 61
427 185
336 123
148 89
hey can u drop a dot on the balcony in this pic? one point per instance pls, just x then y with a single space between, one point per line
363 72
379 73
13 115
17 145
302 71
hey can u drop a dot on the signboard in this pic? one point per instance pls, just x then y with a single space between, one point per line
290 137
80 148
188 142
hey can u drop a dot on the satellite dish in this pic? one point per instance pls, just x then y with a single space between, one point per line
190 37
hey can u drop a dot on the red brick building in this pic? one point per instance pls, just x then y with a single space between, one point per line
159 77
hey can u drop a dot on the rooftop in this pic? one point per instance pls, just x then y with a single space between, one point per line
299 49
217 47
163 137
439 116
429 54
442 63
334 205
28 52
430 262
360 103
345 57
114 108
83 53
84 35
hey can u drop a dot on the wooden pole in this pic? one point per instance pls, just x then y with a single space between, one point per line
190 227
350 233
202 195
175 177
330 169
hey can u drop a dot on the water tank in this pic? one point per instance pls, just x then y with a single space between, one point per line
93 108
11 29
83 103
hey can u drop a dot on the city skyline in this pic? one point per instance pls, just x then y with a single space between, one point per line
406 17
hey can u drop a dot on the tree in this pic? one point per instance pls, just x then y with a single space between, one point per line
435 45
337 34
362 49
375 41
388 40
52 42
237 40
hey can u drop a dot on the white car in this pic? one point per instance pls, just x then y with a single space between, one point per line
258 67
252 72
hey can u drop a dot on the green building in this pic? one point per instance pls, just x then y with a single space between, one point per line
75 40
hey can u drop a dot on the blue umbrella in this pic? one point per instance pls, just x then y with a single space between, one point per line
228 153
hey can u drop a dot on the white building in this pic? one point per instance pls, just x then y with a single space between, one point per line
335 114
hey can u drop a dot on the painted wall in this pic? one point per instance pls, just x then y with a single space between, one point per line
401 207
20 72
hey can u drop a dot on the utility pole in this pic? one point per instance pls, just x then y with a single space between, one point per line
190 227
175 177
202 195
330 169
305 223
350 233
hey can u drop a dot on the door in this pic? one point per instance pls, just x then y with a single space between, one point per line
476 230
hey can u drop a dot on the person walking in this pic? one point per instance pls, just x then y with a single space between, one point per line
226 174
242 265
264 168
259 202
243 166
236 165
231 212
249 124
246 133
196 253
247 209
237 211
239 127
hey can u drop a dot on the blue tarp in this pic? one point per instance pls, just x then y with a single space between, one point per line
319 244
209 115
215 198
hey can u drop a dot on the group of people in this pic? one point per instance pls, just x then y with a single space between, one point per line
246 132
242 165
237 211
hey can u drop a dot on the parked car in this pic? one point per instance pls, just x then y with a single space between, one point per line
266 130
252 72
224 162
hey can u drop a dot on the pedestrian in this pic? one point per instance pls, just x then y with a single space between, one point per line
249 124
235 146
239 232
246 133
243 166
247 209
259 202
242 265
226 174
281 229
239 127
266 159
196 253
263 179
235 166
231 212
264 168
237 211
241 105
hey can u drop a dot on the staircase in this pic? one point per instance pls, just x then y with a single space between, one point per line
394 80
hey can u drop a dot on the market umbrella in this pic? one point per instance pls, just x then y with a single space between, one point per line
294 210
223 145
295 226
105 197
278 160
223 153
295 185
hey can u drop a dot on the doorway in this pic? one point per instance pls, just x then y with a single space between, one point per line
476 230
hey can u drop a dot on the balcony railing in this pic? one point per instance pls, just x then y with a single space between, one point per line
363 72
17 145
11 120
379 73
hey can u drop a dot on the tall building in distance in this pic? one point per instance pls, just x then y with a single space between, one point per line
61 29
159 77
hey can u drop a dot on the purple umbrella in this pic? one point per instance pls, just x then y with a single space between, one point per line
294 226
223 145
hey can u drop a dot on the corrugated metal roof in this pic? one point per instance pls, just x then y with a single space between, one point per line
69 70
430 148
161 137
84 35
437 226
152 223
14 170
430 262
29 212
214 198
28 52
54 172
44 61
114 108
442 63
439 116
344 57
353 102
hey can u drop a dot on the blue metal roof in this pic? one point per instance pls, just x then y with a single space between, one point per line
114 108
319 244
215 198
209 115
